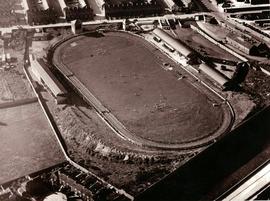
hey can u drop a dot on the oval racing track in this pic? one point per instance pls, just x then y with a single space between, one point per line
113 120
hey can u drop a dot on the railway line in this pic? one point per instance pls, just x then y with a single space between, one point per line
251 186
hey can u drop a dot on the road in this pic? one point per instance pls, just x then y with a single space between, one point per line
171 16
251 186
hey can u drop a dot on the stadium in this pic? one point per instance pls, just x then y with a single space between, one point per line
124 78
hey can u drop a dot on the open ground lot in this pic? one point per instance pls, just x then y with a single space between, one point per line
126 75
202 45
27 142
13 86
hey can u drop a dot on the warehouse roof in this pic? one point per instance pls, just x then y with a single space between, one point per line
214 74
172 42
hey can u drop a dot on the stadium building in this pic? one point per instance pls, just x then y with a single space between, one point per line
175 45
47 78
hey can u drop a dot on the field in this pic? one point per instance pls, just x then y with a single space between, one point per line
127 77
14 86
27 142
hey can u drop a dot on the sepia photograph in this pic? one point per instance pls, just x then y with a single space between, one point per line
134 100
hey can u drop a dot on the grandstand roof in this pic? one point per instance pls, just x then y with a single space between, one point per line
172 42
48 77
214 74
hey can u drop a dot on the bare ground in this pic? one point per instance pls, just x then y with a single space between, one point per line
14 86
27 142
202 45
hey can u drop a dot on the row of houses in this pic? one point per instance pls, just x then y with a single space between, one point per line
136 9
50 11
79 189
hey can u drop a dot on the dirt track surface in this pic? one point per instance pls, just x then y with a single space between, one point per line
125 73
27 142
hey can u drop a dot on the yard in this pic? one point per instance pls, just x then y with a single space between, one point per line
27 142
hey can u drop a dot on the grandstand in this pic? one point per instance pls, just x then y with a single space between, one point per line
173 43
214 74
47 78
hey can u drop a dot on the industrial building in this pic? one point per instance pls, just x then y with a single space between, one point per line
248 45
239 43
47 78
